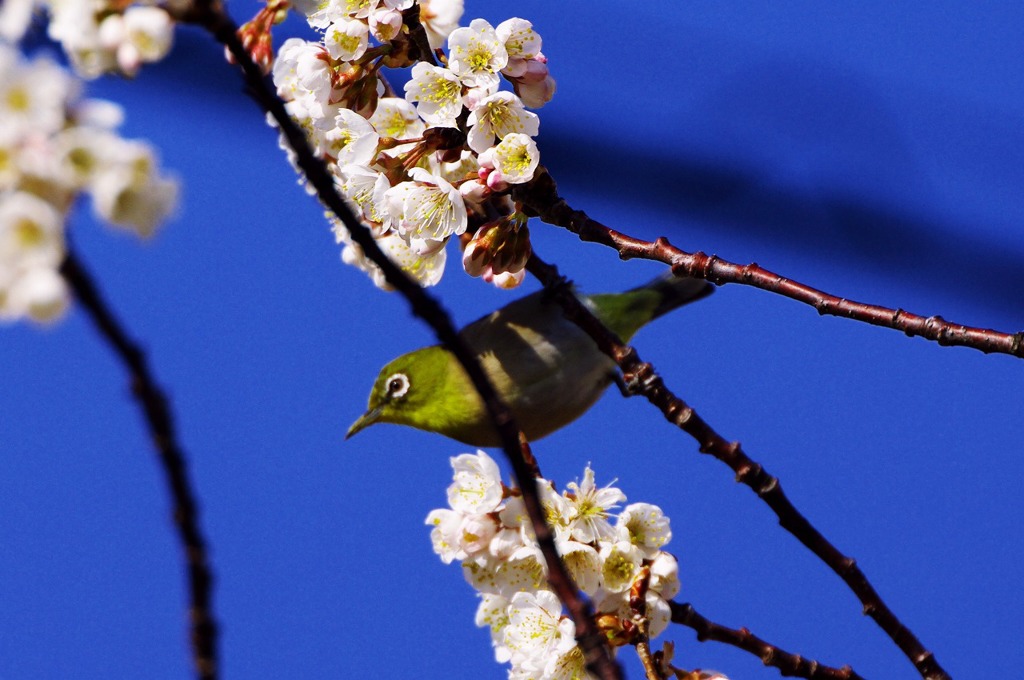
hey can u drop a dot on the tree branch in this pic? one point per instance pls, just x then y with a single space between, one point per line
210 15
641 378
541 198
789 665
153 402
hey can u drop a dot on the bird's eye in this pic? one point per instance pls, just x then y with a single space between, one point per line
398 385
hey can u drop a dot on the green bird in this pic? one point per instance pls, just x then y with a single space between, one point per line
547 370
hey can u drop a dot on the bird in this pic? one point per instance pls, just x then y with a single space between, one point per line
548 370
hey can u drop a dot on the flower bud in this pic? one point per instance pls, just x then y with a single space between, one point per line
507 280
617 631
638 591
498 247
535 86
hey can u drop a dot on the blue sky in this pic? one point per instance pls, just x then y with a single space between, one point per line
872 151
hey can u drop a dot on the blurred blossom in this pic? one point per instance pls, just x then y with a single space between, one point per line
55 147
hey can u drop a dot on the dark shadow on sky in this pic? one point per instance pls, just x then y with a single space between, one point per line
869 232
874 237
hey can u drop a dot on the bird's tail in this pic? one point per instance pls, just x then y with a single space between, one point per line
676 291
625 313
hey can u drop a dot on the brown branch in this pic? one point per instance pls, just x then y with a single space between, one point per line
789 664
642 379
418 34
153 402
210 15
541 198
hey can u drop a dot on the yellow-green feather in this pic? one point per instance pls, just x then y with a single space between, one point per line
547 369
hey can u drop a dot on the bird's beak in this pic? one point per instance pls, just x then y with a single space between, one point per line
369 418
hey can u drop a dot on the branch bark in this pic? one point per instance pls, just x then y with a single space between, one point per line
642 379
210 15
789 665
540 198
153 403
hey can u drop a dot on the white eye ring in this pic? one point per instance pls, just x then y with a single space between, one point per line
397 385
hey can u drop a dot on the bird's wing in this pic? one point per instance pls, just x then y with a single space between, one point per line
530 350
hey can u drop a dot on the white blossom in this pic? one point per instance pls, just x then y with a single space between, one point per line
39 293
437 93
460 170
301 74
325 13
31 232
397 119
385 24
100 36
476 486
421 259
525 618
645 526
346 39
476 533
480 571
10 145
522 571
556 511
445 534
570 664
498 115
366 188
664 576
74 25
590 507
516 157
583 563
142 34
492 612
83 154
521 43
427 207
33 95
15 17
534 628
658 613
620 566
130 193
506 541
476 55
54 147
31 248
349 138
440 18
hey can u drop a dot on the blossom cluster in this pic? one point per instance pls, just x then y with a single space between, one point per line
487 529
98 36
421 168
54 147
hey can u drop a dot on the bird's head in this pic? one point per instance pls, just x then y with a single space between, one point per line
409 390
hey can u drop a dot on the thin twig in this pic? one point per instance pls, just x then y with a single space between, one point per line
638 605
210 15
642 379
540 197
153 402
789 664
